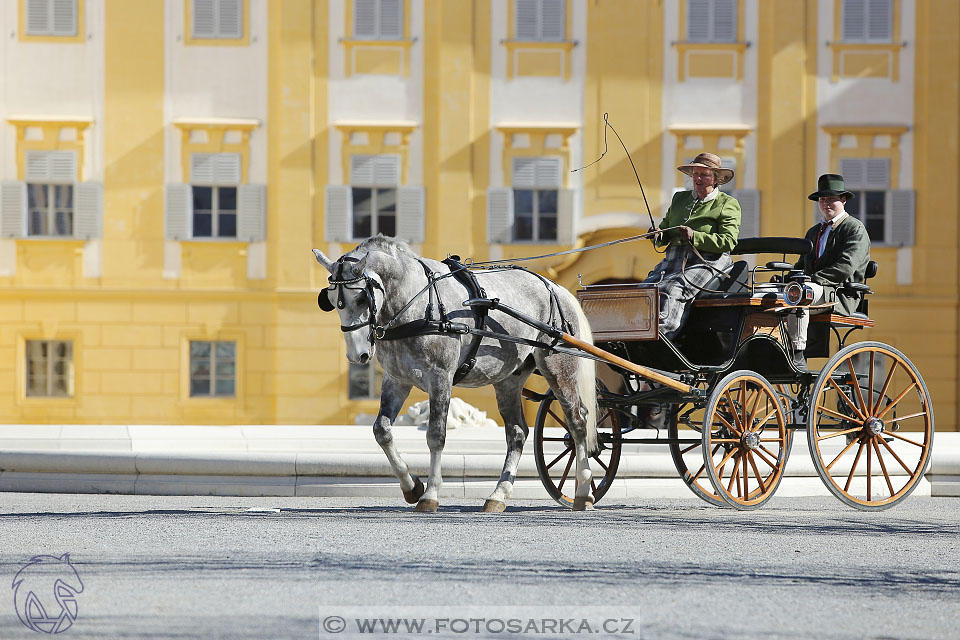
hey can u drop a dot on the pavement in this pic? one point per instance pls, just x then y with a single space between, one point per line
337 461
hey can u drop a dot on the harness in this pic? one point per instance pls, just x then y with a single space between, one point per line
477 301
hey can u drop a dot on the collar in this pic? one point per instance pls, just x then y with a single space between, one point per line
713 194
836 220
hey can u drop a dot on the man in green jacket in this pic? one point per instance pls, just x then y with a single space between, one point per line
841 251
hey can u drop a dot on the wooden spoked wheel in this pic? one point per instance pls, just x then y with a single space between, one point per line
555 456
686 424
870 426
745 440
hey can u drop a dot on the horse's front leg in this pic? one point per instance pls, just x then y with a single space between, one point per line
436 437
394 393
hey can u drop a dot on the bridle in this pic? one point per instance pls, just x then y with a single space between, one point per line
338 283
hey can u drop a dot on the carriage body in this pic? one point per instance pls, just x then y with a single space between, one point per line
730 419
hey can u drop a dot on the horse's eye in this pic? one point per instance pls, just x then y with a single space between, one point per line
362 298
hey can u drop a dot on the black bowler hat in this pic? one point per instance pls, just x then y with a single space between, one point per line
830 184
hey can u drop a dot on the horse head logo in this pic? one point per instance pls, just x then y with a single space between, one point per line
44 592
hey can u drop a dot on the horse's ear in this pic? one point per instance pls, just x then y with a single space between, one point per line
324 260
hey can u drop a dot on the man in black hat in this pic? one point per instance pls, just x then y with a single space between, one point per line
841 251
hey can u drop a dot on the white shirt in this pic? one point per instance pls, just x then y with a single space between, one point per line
826 232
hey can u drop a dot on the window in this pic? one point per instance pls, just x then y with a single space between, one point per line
869 180
378 19
711 20
49 368
213 180
365 381
51 17
867 20
213 369
536 184
216 19
373 182
540 20
50 177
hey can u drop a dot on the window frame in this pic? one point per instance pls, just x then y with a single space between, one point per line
867 21
213 378
380 164
215 184
216 38
860 190
712 38
540 12
52 209
49 362
378 34
50 34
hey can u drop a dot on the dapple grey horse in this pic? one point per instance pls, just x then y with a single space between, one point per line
382 283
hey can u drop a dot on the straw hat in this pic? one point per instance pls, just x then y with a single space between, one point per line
830 184
708 161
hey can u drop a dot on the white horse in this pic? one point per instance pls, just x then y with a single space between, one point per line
385 298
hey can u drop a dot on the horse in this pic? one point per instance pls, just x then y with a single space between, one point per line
383 292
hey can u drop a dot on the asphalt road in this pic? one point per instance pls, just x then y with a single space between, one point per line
209 567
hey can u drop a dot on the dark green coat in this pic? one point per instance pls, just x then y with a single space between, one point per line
844 258
715 224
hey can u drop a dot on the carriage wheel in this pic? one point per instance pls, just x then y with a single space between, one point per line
554 451
858 421
745 440
686 423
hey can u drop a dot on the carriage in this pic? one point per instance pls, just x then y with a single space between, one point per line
726 397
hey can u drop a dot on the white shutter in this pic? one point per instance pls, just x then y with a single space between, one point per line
251 212
749 200
230 19
698 20
526 14
337 218
391 19
553 20
499 215
201 168
51 166
226 168
364 18
89 211
411 213
362 170
178 208
854 20
817 216
386 170
64 17
725 20
38 17
548 172
565 221
525 173
877 173
37 166
879 21
203 18
854 173
900 217
13 209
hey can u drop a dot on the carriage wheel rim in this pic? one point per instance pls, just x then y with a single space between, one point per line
869 439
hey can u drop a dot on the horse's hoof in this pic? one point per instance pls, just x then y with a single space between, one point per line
414 494
494 506
583 504
426 506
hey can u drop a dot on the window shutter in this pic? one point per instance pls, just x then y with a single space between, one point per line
698 20
64 17
565 221
51 166
391 19
362 170
749 200
365 18
817 216
854 172
337 219
204 19
201 168
230 20
386 170
38 17
13 209
548 172
251 212
178 207
89 213
553 20
900 216
499 215
226 168
524 173
411 213
877 173
854 20
879 19
725 20
37 166
526 19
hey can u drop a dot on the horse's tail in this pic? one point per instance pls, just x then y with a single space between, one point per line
587 379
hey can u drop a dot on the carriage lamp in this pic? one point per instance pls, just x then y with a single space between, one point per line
796 294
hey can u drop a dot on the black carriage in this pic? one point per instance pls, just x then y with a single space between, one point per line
726 396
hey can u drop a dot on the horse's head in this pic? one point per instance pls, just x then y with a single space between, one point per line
356 292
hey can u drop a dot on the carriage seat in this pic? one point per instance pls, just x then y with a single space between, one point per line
859 317
736 283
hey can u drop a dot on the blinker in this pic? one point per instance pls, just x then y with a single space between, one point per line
323 300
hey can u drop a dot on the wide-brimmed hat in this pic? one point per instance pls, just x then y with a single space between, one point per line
830 184
708 161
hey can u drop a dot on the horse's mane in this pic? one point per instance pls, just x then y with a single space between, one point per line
387 244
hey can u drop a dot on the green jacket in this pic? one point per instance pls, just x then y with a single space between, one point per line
844 258
715 224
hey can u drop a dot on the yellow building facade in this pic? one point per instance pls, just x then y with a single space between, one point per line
167 165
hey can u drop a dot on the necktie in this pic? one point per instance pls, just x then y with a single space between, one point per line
823 229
